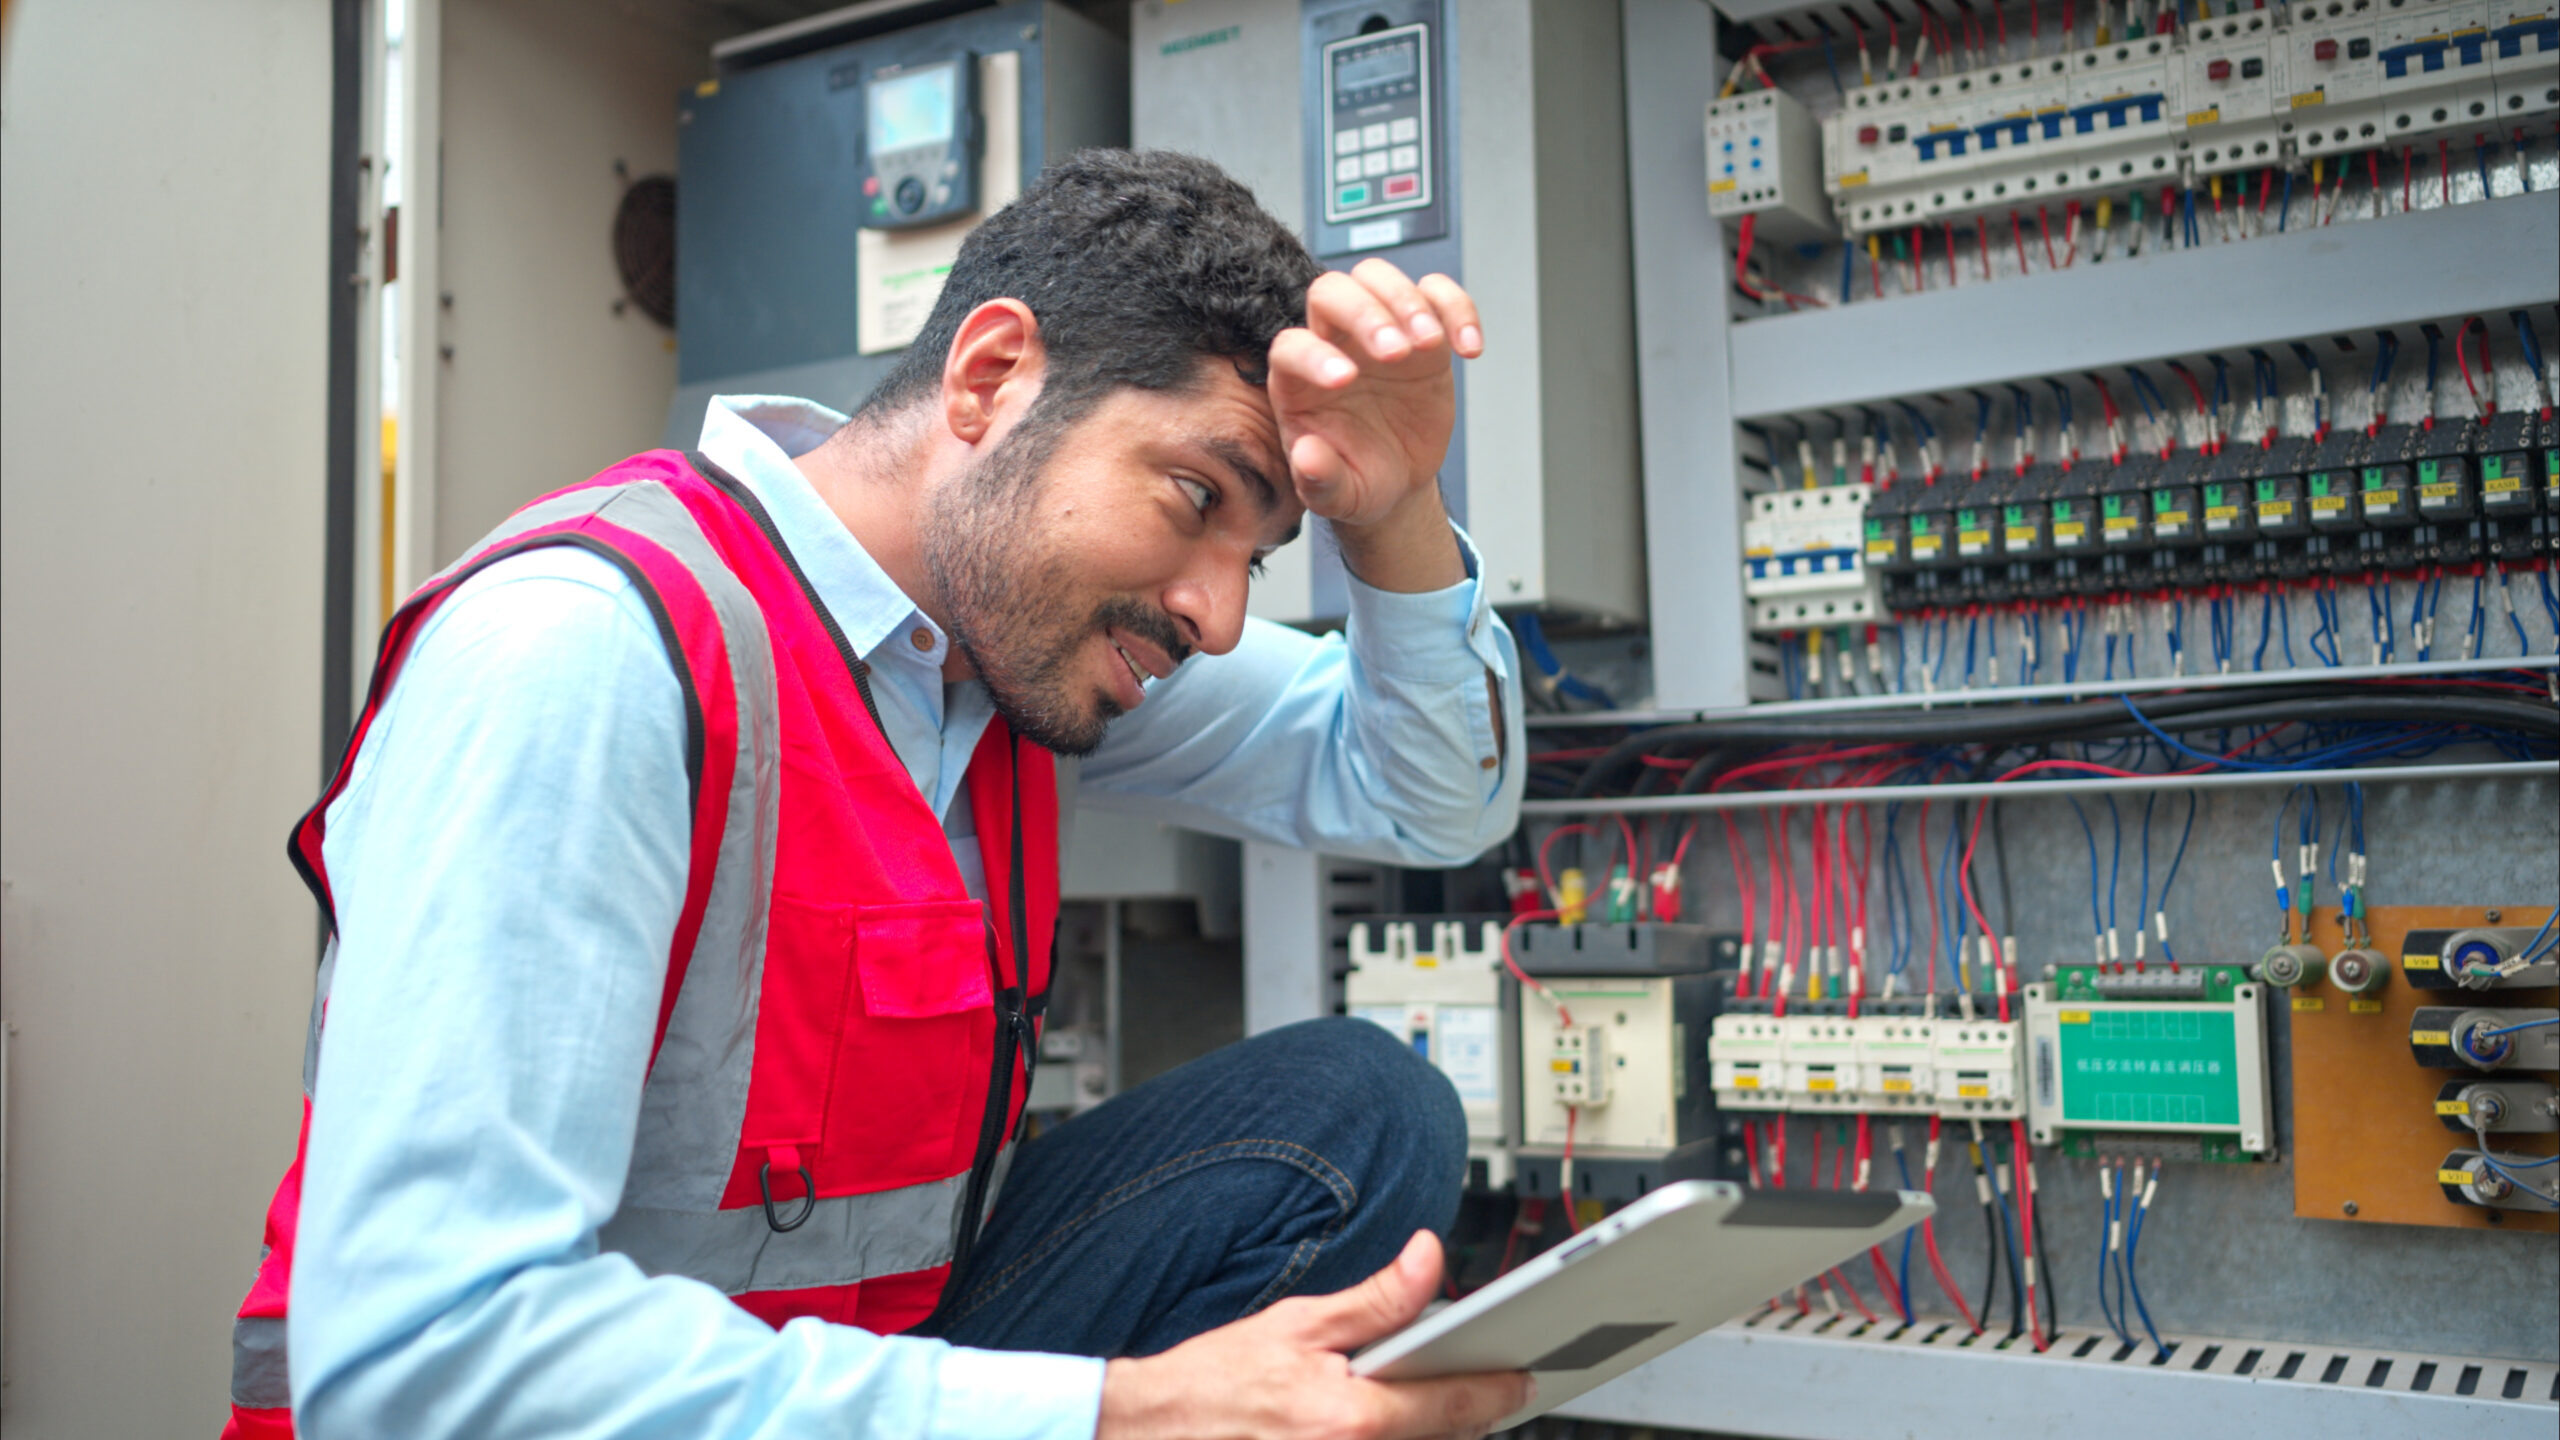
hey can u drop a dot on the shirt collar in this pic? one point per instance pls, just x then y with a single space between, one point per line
755 438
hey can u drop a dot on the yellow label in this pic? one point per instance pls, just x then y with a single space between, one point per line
1718 187
1822 1083
2274 509
1896 1087
2361 1006
2387 495
1851 181
707 88
2221 512
2430 1037
2173 517
2073 1017
1973 537
1426 962
2310 97
2441 490
1923 546
1973 1092
2501 484
2022 534
1561 1067
2453 1177
2453 1107
1759 552
2324 504
2212 116
2122 522
1746 1082
2418 962
2069 530
2309 1002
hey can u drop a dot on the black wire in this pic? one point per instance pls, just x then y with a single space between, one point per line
2044 1271
2009 1238
1990 1234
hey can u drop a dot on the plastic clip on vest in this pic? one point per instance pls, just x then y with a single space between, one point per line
845 1037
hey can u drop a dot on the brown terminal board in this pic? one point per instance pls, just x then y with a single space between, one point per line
2366 1140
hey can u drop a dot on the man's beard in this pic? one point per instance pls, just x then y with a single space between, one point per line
1013 609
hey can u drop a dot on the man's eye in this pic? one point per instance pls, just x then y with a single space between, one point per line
1201 495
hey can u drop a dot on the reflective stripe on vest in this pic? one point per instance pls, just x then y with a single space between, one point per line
878 902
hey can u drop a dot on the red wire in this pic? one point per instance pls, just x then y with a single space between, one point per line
2026 1224
1951 257
2444 171
1982 244
1741 879
2463 360
2071 234
2044 227
2404 179
1544 878
2019 234
1929 1239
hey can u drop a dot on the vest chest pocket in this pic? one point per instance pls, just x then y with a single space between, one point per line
914 1050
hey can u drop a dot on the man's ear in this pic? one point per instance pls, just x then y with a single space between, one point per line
994 368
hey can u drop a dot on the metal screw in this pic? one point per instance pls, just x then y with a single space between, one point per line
2350 1207
2490 915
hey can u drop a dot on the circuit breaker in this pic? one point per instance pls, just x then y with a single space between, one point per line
1805 561
1764 158
1614 1053
1438 985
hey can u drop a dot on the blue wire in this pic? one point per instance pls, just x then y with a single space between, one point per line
2115 860
2090 835
2284 207
2511 1029
2106 1227
2162 907
1847 254
2534 945
1903 1163
2480 152
2142 914
2531 347
2133 1278
2266 613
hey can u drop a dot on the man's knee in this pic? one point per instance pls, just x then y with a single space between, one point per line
1388 1107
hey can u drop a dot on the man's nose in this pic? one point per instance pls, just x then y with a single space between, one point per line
1208 606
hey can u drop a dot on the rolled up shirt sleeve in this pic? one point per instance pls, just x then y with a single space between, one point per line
1397 739
508 863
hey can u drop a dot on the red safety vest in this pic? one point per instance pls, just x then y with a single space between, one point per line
846 1038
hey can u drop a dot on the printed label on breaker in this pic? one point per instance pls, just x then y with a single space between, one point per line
2453 1177
2430 1037
1471 1052
2418 962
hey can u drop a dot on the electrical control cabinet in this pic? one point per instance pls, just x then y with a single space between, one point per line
1764 158
800 268
2101 1066
1485 141
1439 986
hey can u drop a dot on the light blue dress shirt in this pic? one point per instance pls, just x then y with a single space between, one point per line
507 862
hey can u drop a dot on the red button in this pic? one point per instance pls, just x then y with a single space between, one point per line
870 184
2218 70
2324 50
1402 187
1866 134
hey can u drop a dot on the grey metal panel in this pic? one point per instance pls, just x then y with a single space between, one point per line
1588 461
1085 90
1762 1381
838 384
1692 498
1220 78
2483 257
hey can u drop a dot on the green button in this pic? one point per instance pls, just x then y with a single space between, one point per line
1352 195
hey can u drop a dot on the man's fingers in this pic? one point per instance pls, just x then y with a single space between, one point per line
1349 313
1451 1405
1382 1304
1457 310
1298 354
1412 308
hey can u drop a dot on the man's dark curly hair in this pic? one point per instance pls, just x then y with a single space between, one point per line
1137 264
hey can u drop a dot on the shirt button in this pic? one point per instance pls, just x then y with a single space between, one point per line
1486 763
923 638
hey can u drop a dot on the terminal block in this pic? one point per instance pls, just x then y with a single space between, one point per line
1977 1064
2447 1037
2480 958
1578 1068
1747 1061
1805 560
1897 1062
1614 1048
2513 1107
2496 1181
1822 1063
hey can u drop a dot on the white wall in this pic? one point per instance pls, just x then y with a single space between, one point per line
546 385
163 211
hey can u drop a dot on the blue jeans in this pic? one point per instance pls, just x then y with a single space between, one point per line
1297 1162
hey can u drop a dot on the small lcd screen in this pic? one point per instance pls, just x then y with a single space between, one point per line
1381 66
912 109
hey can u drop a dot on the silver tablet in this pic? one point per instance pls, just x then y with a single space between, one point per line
1686 1257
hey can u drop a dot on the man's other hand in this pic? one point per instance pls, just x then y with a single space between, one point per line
1285 1373
1366 400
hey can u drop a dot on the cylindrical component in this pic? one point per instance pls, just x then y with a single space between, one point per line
2359 972
2472 957
2469 1030
2287 966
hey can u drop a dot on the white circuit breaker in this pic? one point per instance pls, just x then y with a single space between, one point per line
1804 560
1884 1064
1764 158
1622 1065
1429 987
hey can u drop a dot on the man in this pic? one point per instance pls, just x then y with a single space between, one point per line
692 872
